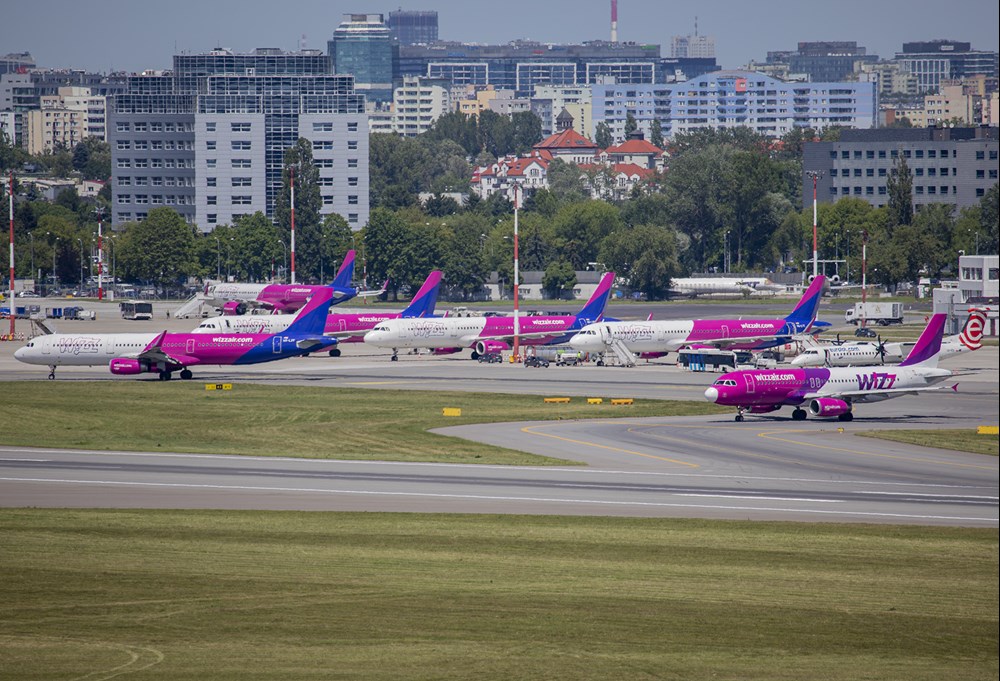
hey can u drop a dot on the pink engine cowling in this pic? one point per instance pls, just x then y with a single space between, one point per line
486 346
127 367
828 406
233 308
446 351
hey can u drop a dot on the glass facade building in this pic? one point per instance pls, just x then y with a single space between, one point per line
362 46
411 27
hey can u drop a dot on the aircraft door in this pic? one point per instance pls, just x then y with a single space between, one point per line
751 385
276 345
109 346
725 331
189 348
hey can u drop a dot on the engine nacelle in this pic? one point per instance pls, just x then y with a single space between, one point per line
446 351
652 355
233 308
486 346
764 408
128 367
828 406
835 279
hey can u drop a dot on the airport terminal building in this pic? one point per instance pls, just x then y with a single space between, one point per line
208 138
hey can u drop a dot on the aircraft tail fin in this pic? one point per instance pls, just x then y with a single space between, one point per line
928 347
423 303
972 333
805 312
346 272
311 319
594 309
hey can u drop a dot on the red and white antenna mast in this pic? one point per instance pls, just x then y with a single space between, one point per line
614 21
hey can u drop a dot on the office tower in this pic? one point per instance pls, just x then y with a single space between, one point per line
410 27
363 47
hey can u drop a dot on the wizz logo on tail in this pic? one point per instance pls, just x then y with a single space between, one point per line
875 381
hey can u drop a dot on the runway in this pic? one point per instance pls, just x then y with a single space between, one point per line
766 468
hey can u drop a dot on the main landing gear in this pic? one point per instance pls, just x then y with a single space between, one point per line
799 414
185 375
846 416
335 352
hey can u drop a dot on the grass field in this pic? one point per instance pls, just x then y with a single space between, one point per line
287 420
264 595
954 439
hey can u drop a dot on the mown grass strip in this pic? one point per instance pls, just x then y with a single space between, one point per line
286 420
957 439
237 595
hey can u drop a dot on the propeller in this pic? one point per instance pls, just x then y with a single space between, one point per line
880 349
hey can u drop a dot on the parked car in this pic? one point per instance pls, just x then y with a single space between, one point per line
535 361
491 358
865 332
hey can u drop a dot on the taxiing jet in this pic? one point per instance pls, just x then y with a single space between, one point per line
487 334
704 286
655 338
833 392
164 353
236 299
346 327
865 354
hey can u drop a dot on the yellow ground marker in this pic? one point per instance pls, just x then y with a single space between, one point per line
594 400
218 386
625 400
556 400
451 411
988 430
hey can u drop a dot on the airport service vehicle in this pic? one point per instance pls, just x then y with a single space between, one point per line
236 299
865 354
537 362
655 338
490 358
136 309
882 314
346 327
700 286
865 332
164 353
487 334
829 393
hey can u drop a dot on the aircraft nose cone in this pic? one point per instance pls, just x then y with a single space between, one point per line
711 394
19 353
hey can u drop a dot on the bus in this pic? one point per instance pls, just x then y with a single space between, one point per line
136 309
711 359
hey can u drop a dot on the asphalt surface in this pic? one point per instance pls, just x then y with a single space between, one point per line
767 467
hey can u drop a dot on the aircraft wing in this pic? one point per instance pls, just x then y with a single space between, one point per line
885 392
154 352
309 343
374 292
725 343
533 334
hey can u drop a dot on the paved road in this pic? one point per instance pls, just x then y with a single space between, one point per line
765 468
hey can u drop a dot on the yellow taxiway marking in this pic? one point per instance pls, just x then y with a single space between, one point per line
530 430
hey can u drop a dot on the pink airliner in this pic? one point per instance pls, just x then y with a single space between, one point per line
236 299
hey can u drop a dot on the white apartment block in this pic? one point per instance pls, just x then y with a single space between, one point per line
66 120
417 104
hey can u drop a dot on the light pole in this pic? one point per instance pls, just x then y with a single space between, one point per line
100 252
847 275
725 259
864 271
517 279
81 264
31 236
218 258
291 171
815 175
284 260
10 302
55 248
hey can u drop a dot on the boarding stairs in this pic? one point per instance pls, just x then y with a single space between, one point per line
616 347
194 307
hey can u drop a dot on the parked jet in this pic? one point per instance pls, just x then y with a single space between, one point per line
701 286
866 354
346 327
655 338
164 353
833 392
486 334
236 299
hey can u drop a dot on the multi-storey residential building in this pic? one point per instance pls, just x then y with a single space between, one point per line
417 104
949 165
938 60
730 99
477 100
413 27
8 127
828 62
550 102
16 62
64 120
891 79
692 46
211 143
363 46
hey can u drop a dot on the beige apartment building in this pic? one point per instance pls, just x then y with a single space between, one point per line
66 119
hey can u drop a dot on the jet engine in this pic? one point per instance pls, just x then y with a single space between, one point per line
233 308
128 367
485 346
828 407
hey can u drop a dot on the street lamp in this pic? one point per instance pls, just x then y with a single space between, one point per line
815 175
284 251
218 258
81 264
725 259
55 247
31 236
